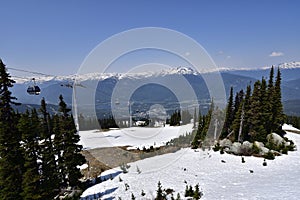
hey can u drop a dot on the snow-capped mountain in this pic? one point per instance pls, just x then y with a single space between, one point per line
53 86
289 65
177 70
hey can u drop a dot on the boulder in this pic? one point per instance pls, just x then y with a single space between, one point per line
235 148
247 145
263 151
287 144
275 139
246 148
258 144
225 143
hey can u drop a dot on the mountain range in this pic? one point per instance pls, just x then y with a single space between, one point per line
151 93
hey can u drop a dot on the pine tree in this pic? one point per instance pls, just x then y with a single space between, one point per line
159 192
270 93
238 122
277 108
11 158
197 194
195 118
207 121
243 113
71 152
265 105
239 97
237 125
271 77
229 116
29 125
49 173
261 112
175 118
247 107
58 147
255 117
197 137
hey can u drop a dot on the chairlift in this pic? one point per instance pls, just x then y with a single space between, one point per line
33 89
68 85
72 84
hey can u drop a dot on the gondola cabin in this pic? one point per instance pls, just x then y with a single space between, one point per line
34 89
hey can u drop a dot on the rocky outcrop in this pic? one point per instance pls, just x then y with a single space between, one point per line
256 148
277 140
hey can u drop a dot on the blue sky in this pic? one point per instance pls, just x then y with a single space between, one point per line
55 36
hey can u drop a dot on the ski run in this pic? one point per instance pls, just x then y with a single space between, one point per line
219 176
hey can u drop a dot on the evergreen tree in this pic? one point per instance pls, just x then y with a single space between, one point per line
241 125
159 192
239 116
265 105
197 137
197 194
207 121
259 113
247 107
195 117
229 116
175 118
270 93
49 173
294 120
277 108
71 152
203 127
11 158
29 125
58 147
239 97
271 77
255 115
238 124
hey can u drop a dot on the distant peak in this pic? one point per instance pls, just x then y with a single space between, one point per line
289 65
180 70
286 65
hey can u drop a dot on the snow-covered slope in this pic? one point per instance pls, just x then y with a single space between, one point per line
230 179
136 137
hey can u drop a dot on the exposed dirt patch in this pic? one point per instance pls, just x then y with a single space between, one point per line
95 166
102 159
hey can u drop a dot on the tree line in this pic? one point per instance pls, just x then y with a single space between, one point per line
253 115
39 153
293 120
249 116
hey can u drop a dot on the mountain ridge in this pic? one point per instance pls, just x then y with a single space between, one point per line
52 87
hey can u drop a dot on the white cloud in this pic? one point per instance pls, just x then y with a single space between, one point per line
220 53
276 54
